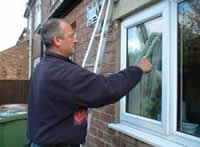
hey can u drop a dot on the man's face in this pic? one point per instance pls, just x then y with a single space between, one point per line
68 43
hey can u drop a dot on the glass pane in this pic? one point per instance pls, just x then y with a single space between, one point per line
145 41
189 67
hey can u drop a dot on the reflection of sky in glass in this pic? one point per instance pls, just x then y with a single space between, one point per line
184 6
134 44
133 41
183 10
154 26
188 12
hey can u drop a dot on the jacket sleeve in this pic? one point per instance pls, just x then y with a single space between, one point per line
91 90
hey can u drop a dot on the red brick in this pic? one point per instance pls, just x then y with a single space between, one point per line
93 131
91 139
100 133
109 109
101 125
128 139
99 142
96 114
122 144
107 137
108 145
14 62
106 117
142 144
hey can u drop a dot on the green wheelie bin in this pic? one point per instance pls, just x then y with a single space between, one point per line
13 122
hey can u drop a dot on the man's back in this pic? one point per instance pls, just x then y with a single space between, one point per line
51 114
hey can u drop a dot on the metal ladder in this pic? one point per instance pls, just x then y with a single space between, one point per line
105 19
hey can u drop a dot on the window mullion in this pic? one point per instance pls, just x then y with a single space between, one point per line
166 68
123 59
174 55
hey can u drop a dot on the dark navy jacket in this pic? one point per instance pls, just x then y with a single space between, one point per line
60 93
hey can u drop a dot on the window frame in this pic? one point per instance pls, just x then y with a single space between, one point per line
155 11
38 14
156 133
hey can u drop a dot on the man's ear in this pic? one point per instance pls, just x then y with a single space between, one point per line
57 40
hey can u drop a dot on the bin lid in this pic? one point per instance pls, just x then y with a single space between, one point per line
13 106
12 112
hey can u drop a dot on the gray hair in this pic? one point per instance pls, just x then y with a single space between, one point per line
50 29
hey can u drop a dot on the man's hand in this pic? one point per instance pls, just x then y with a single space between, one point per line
145 65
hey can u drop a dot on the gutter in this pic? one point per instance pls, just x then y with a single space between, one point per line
65 8
30 45
28 14
61 9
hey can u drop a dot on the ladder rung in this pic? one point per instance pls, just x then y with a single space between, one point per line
97 35
89 65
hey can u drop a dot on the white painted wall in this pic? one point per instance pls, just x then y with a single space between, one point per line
125 7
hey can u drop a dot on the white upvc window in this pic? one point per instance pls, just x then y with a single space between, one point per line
162 109
38 13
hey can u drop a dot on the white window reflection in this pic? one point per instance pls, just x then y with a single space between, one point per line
145 41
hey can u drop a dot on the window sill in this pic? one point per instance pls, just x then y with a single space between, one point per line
144 136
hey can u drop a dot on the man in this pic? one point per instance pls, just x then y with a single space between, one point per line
61 91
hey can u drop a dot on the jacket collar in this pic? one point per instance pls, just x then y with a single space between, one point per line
52 54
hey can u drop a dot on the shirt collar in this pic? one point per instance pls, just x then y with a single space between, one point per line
52 54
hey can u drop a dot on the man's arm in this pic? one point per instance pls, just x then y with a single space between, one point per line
92 90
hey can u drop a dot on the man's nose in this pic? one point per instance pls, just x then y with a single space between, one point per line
75 40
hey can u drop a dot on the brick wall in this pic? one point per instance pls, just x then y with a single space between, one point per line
100 135
14 62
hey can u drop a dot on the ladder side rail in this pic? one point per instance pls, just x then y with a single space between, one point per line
97 26
101 47
103 38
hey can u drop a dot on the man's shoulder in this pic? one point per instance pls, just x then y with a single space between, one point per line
59 65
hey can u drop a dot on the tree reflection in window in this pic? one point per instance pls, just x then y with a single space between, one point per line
189 67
